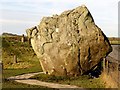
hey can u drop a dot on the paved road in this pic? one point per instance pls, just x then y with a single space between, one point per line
115 54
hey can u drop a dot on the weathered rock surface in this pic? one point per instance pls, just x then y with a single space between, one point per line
70 43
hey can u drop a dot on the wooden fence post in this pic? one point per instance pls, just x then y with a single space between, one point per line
23 38
107 66
15 59
104 68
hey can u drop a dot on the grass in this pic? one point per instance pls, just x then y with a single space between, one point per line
15 85
7 84
114 40
82 81
26 57
27 61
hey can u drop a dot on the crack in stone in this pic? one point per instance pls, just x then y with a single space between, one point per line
79 66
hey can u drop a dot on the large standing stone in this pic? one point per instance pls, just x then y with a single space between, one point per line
70 43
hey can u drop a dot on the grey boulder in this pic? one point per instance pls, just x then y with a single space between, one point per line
70 43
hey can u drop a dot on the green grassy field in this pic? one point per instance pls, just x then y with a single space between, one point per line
114 41
27 62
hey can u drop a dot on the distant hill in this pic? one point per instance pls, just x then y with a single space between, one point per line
114 40
14 37
9 34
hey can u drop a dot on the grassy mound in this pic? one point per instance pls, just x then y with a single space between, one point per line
12 46
27 61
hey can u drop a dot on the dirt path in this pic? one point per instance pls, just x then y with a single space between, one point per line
25 79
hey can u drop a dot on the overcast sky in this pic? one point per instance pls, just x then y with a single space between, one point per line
18 15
